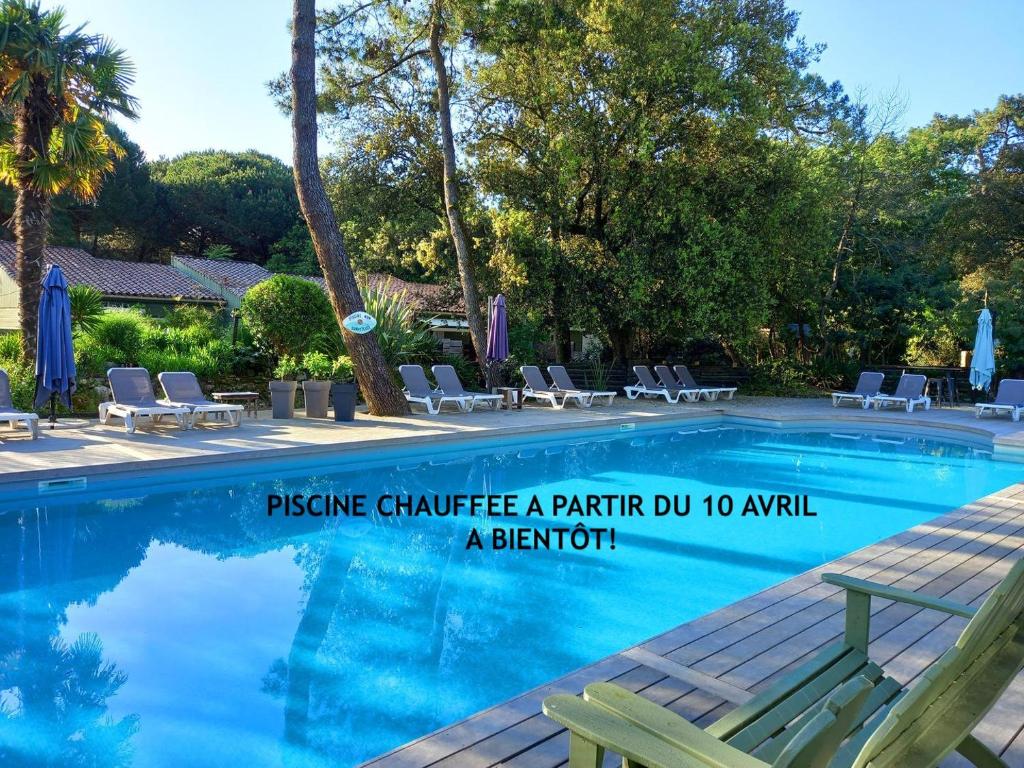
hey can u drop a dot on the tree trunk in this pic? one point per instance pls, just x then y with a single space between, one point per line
451 192
375 378
34 121
560 323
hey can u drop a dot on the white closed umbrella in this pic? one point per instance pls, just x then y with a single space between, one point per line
983 362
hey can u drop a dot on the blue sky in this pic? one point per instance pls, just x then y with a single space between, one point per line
203 64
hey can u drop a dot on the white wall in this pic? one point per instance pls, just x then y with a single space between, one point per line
8 303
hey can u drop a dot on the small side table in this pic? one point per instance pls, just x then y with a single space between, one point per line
513 398
941 388
249 399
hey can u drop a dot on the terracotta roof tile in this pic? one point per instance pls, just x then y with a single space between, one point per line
143 280
237 276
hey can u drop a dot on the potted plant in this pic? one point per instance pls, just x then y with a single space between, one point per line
317 388
282 389
343 390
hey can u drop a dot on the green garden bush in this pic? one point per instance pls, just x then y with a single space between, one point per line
290 316
126 332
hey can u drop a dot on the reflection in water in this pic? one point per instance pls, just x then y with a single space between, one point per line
54 706
234 639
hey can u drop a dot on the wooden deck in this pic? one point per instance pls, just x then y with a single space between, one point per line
961 555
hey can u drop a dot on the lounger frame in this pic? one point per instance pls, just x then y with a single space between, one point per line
862 392
199 408
562 381
420 392
908 402
1007 396
709 393
131 413
476 398
649 388
549 395
12 416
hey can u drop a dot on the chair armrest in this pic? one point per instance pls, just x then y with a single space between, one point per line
658 738
872 589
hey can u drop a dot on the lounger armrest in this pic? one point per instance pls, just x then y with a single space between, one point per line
666 741
870 588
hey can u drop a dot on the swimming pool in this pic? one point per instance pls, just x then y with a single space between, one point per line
184 626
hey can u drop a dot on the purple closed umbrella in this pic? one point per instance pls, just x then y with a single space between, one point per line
55 357
497 331
497 335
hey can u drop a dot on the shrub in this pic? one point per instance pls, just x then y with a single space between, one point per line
401 337
287 368
191 316
126 331
342 370
289 315
10 346
86 307
23 382
317 365
93 358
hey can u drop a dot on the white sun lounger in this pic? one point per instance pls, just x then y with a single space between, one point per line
537 388
132 393
709 393
450 385
909 392
182 389
563 381
868 385
668 381
418 390
1009 399
648 387
8 412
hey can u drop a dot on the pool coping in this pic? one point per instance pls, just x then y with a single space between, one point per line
1005 448
473 730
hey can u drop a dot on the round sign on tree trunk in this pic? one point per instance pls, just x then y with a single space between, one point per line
360 322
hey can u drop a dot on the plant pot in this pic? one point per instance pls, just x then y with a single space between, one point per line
317 394
282 399
344 397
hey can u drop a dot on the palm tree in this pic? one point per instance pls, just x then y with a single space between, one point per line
58 88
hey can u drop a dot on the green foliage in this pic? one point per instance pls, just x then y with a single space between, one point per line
293 254
93 358
22 376
244 201
287 368
10 346
402 338
290 316
220 252
317 365
124 332
342 370
86 307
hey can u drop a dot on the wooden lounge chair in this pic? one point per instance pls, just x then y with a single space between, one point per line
869 385
709 393
11 414
132 393
668 380
909 392
537 388
783 725
182 389
450 385
563 381
648 387
418 390
1009 399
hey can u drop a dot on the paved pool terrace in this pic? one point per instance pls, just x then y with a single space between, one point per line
961 556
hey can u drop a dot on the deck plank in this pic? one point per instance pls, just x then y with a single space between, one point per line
961 555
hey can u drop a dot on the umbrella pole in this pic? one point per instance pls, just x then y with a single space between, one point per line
53 410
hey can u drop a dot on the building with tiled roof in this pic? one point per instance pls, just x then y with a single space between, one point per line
155 287
210 282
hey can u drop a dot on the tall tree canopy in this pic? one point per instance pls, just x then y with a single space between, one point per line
57 87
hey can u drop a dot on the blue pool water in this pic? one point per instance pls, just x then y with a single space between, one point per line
176 624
